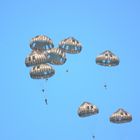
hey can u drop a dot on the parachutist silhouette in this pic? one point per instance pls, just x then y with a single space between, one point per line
93 137
105 86
66 70
43 90
46 101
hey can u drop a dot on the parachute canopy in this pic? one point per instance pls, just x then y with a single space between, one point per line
107 58
87 109
120 116
42 71
70 45
41 42
36 57
56 56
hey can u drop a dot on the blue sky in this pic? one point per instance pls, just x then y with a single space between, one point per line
99 25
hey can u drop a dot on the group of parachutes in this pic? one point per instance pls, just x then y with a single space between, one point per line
107 58
43 54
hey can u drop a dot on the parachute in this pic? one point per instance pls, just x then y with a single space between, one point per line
107 58
70 45
36 57
41 42
42 71
56 56
120 116
87 109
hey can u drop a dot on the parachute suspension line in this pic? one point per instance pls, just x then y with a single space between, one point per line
105 86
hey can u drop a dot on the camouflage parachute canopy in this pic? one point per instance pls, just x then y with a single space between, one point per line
36 57
107 58
41 42
70 45
42 71
56 56
120 116
87 109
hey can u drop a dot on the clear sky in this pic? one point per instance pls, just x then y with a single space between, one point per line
99 25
